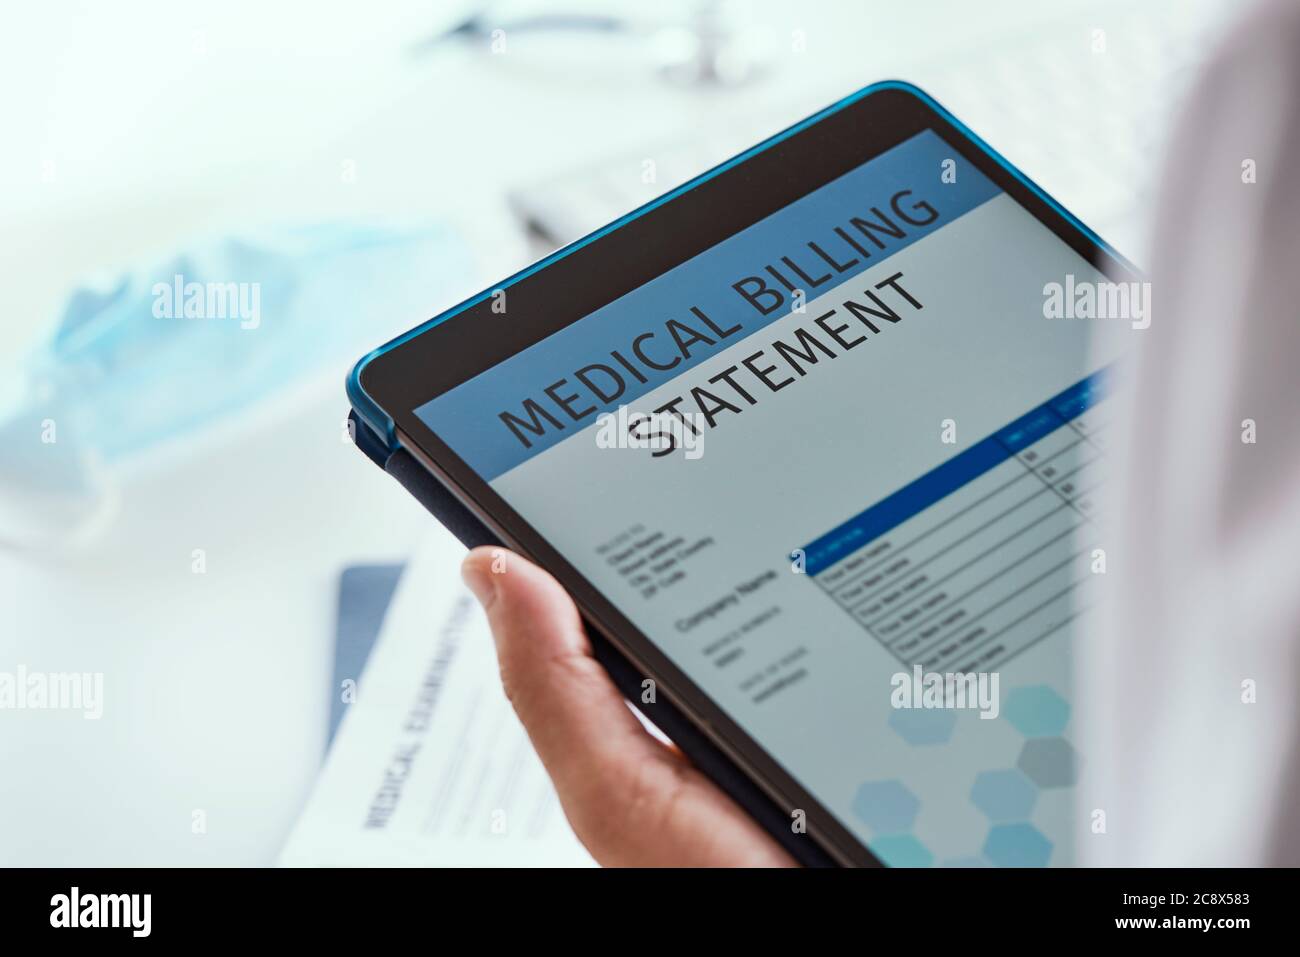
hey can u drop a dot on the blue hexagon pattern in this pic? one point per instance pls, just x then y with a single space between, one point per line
902 850
1037 711
1004 796
921 726
887 807
1017 845
1049 762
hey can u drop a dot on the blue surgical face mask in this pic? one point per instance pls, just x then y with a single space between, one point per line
169 350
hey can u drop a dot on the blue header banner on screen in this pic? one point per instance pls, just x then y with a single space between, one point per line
561 385
958 471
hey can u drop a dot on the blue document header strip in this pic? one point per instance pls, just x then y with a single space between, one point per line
466 417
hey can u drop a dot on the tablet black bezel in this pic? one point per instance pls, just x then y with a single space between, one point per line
595 271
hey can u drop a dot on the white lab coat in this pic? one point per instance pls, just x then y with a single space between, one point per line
1203 537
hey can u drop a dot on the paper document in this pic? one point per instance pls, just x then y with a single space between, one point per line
430 765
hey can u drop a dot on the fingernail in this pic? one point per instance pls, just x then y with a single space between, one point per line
480 581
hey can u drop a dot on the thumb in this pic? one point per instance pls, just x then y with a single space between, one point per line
588 739
629 798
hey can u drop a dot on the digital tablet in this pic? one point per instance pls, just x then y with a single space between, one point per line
813 441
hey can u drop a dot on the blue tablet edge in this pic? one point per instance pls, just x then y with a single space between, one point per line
381 424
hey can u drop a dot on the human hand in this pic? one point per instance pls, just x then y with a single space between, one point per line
632 800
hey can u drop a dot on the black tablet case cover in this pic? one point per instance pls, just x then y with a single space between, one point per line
702 752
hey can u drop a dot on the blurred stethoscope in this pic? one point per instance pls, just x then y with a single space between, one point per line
708 43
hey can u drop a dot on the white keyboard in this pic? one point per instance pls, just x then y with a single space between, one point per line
1083 114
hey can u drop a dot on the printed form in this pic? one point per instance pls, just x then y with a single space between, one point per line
430 766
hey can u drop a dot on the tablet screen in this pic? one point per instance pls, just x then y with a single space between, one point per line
838 468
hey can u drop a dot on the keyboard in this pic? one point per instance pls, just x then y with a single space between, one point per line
1081 105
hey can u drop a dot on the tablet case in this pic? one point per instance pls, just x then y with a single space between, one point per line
702 752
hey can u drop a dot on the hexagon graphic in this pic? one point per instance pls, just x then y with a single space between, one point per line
1004 796
965 862
921 726
1049 762
1017 845
887 807
902 850
1037 711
